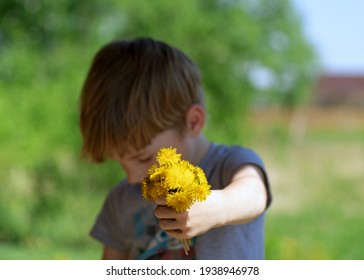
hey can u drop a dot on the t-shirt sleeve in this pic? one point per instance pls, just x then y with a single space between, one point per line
106 229
239 156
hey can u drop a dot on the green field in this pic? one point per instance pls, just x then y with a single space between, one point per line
317 180
316 173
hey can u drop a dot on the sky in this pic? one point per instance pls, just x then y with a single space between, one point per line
336 30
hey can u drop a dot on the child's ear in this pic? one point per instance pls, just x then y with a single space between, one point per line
195 119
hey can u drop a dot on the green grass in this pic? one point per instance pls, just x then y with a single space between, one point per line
45 250
317 190
314 235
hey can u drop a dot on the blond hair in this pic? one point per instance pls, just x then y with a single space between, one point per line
134 90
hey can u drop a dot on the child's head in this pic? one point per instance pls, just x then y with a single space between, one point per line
135 90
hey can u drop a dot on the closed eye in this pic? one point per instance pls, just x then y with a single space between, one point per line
143 160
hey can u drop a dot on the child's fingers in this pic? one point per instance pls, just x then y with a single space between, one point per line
160 201
168 224
164 212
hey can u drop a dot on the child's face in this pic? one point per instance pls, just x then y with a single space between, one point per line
136 163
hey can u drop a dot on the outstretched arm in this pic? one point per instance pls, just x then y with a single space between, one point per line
240 202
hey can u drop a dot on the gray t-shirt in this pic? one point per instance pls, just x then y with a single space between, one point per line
127 222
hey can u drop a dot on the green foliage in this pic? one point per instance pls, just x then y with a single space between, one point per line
43 24
250 52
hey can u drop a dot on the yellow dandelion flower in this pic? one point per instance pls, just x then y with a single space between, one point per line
156 191
178 175
177 181
201 193
168 156
179 201
157 174
145 191
151 170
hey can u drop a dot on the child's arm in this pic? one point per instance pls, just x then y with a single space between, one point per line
240 202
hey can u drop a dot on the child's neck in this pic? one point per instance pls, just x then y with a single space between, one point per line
200 149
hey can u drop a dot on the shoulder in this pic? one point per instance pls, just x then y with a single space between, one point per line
120 194
232 156
243 155
117 190
222 162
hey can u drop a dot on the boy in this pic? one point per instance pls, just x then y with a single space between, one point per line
142 95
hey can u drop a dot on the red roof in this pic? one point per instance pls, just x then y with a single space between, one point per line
339 90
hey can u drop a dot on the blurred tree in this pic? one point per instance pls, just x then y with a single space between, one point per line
39 23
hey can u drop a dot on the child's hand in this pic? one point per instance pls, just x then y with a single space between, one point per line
240 202
201 217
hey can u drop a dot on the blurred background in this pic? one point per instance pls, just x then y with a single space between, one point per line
282 77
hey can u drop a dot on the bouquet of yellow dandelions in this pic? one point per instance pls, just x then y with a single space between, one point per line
177 181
